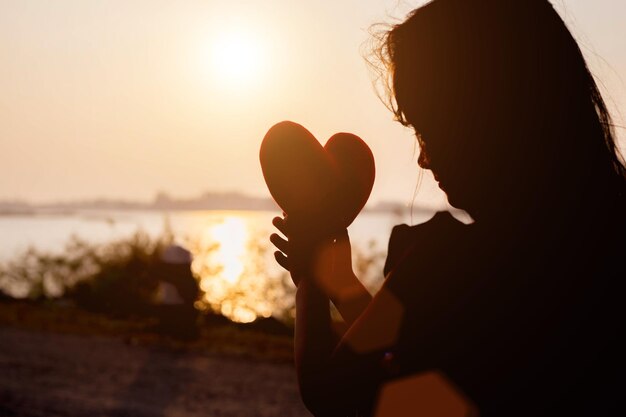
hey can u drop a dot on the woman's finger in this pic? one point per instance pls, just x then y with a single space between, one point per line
280 243
282 260
279 223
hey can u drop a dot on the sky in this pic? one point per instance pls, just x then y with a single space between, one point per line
123 99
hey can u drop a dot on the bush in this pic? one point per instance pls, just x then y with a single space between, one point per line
120 278
114 277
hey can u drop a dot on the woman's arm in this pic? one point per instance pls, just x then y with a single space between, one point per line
338 378
313 344
326 371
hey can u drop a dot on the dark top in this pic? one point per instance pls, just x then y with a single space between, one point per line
525 322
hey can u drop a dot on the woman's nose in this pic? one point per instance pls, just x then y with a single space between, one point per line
422 160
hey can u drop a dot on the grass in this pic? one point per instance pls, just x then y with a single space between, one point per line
216 334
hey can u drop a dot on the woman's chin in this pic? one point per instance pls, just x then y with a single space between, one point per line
460 203
454 201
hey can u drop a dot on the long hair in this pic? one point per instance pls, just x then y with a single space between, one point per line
511 65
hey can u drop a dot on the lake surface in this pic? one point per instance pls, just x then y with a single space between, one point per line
232 255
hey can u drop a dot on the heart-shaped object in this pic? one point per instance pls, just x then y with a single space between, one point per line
330 183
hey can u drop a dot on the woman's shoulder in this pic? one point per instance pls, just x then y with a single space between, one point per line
442 231
441 225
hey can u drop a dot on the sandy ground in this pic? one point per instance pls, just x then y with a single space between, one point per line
48 374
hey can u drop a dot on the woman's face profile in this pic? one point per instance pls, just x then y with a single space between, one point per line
457 168
455 184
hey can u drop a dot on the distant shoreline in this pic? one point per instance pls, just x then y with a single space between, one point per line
163 202
65 211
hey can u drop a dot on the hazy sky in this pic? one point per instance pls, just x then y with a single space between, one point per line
125 98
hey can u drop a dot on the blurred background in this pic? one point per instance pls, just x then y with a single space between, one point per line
130 130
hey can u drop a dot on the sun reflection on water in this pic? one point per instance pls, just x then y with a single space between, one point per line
232 236
230 263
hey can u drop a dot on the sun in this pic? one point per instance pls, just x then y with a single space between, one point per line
237 59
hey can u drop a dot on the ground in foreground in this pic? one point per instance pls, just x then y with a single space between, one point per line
47 374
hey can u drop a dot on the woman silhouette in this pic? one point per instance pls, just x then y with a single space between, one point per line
521 310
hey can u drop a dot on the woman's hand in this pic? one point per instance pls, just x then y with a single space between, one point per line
281 255
325 255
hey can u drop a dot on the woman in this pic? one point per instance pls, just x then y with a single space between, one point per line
520 310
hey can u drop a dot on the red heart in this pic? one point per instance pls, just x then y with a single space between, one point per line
330 183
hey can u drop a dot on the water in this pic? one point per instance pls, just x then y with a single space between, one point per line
232 254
